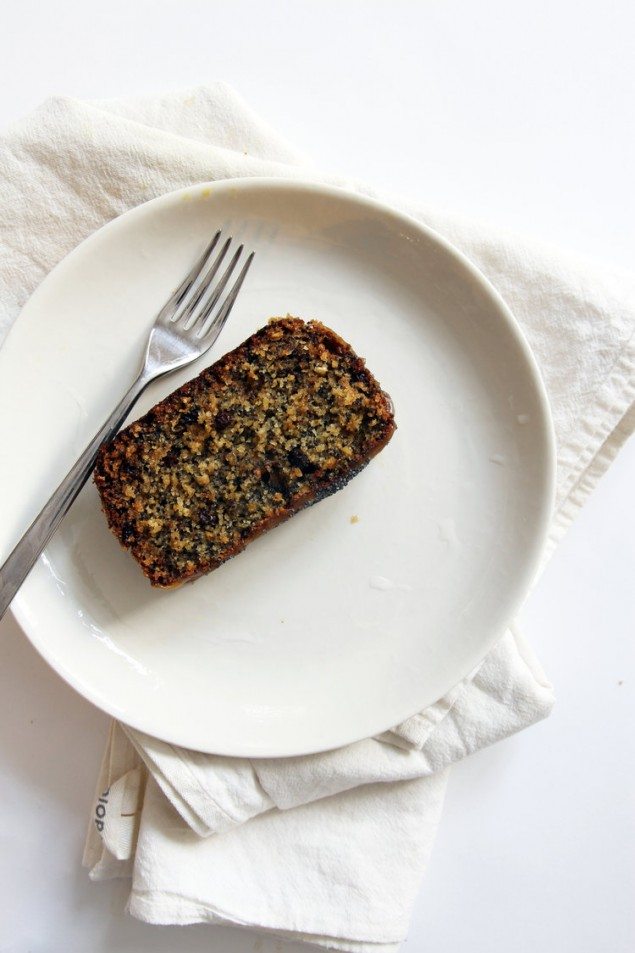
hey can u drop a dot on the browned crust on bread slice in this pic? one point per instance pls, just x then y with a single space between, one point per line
282 421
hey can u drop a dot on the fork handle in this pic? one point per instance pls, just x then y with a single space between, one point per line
24 556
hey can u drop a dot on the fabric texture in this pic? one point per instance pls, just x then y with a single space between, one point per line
327 848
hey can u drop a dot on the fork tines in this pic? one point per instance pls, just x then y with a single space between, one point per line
192 305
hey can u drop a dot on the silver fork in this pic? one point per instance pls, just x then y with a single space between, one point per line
184 329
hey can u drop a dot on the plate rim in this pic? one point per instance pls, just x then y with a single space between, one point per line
19 607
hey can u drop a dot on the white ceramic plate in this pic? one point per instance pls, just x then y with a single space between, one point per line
327 629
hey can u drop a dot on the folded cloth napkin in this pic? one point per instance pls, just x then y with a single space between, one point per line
327 848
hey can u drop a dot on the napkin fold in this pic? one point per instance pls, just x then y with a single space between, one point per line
328 848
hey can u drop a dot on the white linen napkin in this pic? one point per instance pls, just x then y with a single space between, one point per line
328 848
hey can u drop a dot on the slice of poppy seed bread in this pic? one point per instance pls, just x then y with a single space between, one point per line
285 419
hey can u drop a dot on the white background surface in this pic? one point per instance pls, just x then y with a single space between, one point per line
521 114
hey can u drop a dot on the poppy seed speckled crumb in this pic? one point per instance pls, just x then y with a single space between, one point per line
285 419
